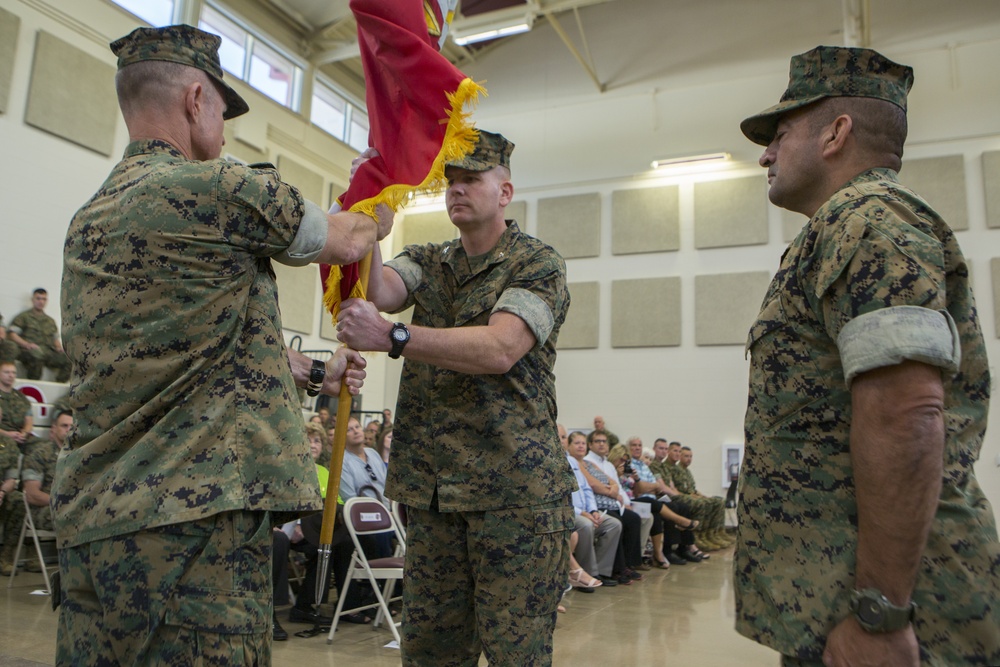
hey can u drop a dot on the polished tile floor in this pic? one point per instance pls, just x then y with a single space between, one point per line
683 616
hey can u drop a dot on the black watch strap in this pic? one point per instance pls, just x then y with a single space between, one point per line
875 613
316 376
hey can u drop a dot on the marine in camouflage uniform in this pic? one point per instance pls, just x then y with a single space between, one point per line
872 285
11 504
16 416
476 454
34 326
8 348
710 510
189 434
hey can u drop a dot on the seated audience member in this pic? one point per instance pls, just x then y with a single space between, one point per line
606 494
11 505
17 421
710 509
386 424
364 470
371 434
304 536
598 444
645 490
316 419
384 445
599 533
324 415
599 425
663 469
37 336
37 471
8 348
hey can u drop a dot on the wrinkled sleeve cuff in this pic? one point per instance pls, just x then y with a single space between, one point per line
889 336
309 240
529 307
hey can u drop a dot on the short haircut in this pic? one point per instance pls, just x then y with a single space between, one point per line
685 449
8 363
40 290
596 431
152 83
675 443
659 440
879 126
575 434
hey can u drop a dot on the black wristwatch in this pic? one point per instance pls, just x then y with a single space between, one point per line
316 376
875 613
399 337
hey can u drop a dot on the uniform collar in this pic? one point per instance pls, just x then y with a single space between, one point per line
143 146
454 255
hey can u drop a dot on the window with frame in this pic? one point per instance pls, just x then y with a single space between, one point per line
249 58
156 13
335 114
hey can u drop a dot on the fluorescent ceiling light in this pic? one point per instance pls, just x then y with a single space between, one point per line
706 158
491 25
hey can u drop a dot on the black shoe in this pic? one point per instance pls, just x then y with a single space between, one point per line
675 559
624 579
608 581
278 633
690 557
296 615
583 589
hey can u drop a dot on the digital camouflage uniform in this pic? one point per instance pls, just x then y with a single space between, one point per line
16 408
12 508
477 459
873 245
8 348
710 511
40 466
188 431
40 329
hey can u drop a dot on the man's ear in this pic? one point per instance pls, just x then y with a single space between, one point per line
835 135
194 99
506 193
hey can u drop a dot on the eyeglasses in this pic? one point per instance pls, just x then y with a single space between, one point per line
371 473
598 441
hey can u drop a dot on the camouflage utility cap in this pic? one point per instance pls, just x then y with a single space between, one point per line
832 71
492 150
185 45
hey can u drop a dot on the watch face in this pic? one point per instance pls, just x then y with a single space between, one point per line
399 335
870 612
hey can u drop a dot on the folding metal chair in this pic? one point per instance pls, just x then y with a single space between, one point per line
38 536
399 514
367 516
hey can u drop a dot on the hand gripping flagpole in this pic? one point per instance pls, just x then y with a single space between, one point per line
344 401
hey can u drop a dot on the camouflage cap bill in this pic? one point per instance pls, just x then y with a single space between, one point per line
832 71
181 44
492 150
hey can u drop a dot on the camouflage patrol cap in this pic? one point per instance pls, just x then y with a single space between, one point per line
492 150
832 71
182 44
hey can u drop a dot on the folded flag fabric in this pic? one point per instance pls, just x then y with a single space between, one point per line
417 110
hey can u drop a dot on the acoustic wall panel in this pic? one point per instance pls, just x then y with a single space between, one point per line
72 95
991 185
940 181
730 213
9 25
298 294
518 211
424 228
582 326
645 220
646 312
308 182
725 305
571 224
243 152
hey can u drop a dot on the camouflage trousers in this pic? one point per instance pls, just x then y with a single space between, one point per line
36 361
11 518
710 511
195 593
9 350
484 582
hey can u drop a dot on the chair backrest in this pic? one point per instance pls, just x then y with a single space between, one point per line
367 516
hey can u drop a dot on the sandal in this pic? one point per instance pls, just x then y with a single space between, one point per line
698 552
357 619
577 580
691 526
661 564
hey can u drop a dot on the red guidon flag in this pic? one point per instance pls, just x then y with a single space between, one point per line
416 111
